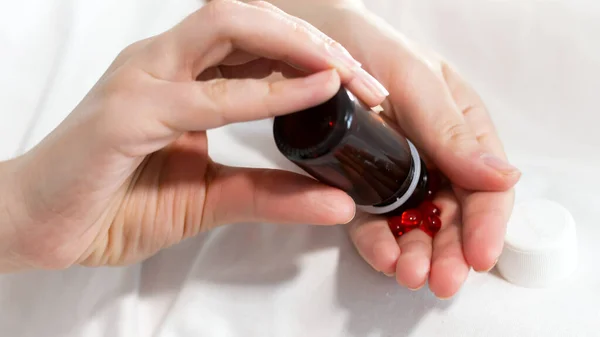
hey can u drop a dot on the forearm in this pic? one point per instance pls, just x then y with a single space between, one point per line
9 213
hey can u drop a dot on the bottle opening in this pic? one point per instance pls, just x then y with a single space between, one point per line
344 144
314 131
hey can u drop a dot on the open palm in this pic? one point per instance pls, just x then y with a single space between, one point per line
447 120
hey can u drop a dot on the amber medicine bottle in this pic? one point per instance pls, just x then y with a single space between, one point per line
345 144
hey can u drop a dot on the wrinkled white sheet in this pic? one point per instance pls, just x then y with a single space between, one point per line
535 62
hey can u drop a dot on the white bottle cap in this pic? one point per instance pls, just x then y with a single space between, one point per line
540 247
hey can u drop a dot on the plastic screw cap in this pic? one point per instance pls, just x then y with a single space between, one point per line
540 247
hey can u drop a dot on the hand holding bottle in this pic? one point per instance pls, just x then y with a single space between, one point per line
127 173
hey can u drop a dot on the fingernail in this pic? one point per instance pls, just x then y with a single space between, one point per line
352 218
388 275
377 109
490 268
371 83
442 297
341 54
417 288
498 164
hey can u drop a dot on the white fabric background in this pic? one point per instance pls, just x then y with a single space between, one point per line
535 62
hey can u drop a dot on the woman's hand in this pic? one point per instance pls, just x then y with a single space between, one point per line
127 173
447 120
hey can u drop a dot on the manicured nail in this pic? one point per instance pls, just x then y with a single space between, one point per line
342 55
377 109
371 83
498 164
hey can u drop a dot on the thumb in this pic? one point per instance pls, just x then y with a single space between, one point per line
272 196
428 114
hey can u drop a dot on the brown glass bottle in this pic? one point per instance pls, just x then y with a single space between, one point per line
343 143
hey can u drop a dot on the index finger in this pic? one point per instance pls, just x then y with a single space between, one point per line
206 37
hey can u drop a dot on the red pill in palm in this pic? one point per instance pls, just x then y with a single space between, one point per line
411 217
431 225
428 208
409 220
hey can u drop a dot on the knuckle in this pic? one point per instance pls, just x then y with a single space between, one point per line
455 132
220 10
483 137
217 102
133 48
469 109
300 30
119 82
127 54
331 43
122 104
222 15
267 92
119 89
217 89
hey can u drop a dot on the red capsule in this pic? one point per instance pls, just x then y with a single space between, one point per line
404 223
431 225
411 217
428 208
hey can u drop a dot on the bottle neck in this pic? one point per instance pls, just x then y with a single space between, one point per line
400 198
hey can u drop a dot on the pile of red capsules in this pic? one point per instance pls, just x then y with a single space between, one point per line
425 217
